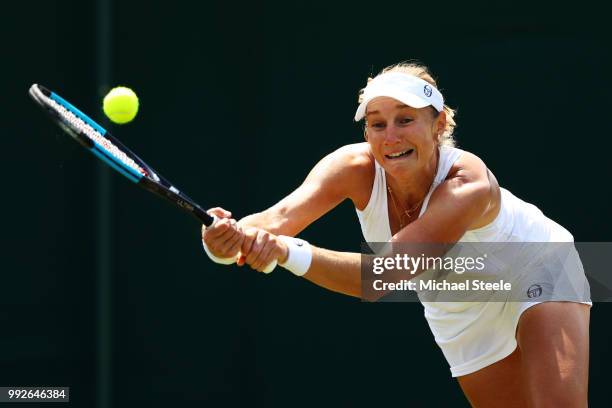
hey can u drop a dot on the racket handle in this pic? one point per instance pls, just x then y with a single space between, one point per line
216 259
270 267
228 261
204 217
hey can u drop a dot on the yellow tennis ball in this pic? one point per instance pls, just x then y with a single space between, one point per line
120 105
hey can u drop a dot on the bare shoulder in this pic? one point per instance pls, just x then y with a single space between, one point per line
348 161
349 168
356 157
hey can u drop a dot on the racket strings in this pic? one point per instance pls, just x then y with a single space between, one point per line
95 136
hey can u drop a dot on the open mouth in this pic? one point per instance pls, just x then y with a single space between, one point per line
399 154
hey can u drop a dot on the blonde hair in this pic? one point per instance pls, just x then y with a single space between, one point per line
421 71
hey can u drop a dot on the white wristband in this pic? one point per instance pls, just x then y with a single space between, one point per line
299 257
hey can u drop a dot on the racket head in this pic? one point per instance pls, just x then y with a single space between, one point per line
107 148
90 134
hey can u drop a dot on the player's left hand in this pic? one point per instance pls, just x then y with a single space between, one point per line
260 248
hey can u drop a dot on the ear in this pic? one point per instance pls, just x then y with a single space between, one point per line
365 134
440 123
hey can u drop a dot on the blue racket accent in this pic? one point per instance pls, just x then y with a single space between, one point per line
107 158
104 146
97 149
80 114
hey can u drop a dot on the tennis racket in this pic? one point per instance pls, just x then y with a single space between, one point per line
107 148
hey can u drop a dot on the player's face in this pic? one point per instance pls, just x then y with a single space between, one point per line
402 138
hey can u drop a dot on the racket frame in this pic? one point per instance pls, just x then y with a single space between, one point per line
141 174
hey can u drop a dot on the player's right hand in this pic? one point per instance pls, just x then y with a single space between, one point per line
223 238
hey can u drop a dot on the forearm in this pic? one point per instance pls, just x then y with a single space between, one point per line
342 272
336 271
276 220
267 220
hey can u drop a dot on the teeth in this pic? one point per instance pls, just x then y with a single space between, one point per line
399 154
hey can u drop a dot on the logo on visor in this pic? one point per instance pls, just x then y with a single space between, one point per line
427 90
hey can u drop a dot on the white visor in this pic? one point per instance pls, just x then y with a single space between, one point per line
405 88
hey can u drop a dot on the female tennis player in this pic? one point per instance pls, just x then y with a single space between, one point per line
409 184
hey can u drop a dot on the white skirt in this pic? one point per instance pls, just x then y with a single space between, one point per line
473 335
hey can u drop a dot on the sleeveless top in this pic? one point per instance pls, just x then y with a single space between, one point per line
517 220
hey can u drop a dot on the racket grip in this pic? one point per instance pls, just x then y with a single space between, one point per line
270 267
216 259
228 261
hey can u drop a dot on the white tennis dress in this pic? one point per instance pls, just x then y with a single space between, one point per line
473 335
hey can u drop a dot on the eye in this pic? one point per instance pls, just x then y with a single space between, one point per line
405 120
377 125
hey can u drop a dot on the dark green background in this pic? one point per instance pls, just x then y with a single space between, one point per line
238 102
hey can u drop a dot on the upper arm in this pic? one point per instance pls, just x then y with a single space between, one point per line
333 179
458 203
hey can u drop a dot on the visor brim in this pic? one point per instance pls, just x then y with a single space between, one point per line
407 99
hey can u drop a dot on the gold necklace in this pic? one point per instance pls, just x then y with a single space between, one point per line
407 213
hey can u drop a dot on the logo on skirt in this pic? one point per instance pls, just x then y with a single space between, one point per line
534 291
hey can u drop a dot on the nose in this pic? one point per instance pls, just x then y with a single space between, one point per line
392 134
